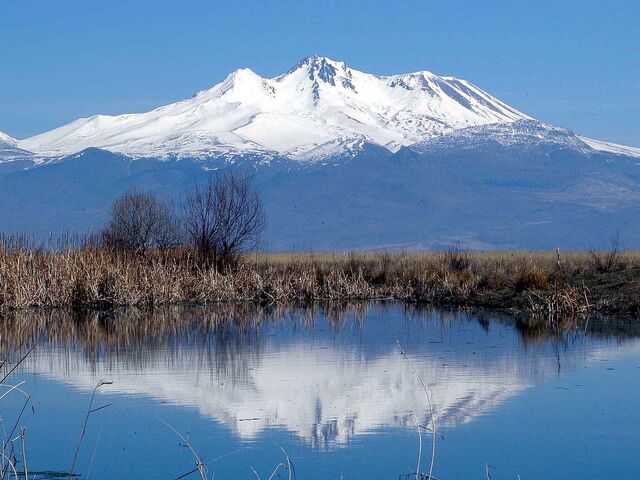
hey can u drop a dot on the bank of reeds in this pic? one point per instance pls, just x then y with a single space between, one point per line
533 283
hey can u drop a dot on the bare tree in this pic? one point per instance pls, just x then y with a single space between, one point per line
139 221
200 215
224 218
240 218
169 231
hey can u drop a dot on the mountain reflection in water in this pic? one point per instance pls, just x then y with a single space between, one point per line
324 373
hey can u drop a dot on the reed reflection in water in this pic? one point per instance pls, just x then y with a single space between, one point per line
327 374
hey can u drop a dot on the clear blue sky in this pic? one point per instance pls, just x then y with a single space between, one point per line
574 63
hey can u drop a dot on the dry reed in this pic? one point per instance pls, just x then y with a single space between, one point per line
519 281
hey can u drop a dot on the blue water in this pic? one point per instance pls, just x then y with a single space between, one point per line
331 388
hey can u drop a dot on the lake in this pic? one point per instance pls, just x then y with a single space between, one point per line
329 386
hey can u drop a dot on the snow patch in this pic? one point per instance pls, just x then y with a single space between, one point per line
611 147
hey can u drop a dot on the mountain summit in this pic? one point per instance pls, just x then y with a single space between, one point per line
7 141
9 150
320 107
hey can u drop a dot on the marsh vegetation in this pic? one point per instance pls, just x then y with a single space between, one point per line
522 282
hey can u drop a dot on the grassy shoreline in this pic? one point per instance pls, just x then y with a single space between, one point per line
530 283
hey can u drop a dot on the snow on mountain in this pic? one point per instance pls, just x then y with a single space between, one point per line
7 141
608 147
528 134
9 150
318 108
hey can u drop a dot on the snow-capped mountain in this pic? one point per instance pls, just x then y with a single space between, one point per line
9 150
342 160
318 108
7 141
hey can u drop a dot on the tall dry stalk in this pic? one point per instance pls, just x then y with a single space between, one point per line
8 455
431 417
90 410
201 468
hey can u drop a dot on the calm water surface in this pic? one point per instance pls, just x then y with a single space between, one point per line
330 387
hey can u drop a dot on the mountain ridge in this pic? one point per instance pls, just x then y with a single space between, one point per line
319 104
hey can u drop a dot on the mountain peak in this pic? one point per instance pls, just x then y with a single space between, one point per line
323 69
7 140
9 149
238 78
243 73
319 61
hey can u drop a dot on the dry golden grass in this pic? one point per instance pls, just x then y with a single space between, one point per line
525 281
